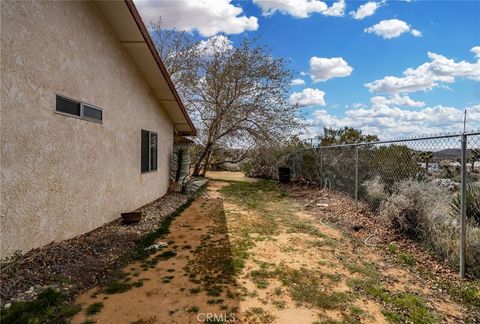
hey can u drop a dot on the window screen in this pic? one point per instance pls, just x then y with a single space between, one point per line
68 106
145 151
153 151
91 112
149 151
77 108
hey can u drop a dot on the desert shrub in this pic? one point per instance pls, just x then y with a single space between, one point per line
391 164
305 166
374 192
339 168
412 205
422 211
266 159
263 164
472 203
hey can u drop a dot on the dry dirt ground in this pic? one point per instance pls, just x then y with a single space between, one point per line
245 252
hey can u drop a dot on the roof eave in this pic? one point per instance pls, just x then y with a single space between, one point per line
141 26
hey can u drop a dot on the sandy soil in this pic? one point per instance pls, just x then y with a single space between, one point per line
286 256
229 176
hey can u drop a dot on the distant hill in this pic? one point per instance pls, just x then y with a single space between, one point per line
448 154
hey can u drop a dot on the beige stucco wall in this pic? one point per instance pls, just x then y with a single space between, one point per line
63 176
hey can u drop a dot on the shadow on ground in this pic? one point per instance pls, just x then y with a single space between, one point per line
190 280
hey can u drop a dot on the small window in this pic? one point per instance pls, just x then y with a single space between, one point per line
79 109
149 145
92 113
68 106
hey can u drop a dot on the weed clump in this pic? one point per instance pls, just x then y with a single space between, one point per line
94 308
407 259
402 307
304 286
116 287
193 309
50 306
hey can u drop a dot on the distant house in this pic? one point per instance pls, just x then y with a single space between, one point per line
88 119
432 166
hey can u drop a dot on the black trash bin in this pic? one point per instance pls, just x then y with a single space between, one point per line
284 174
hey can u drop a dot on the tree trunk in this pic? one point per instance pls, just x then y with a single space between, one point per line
198 163
205 165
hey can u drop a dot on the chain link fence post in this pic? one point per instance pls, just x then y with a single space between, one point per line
463 205
356 176
391 168
321 166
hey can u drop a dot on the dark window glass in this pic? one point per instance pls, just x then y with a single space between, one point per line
145 151
91 112
153 151
68 106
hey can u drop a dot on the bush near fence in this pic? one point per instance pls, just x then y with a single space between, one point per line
427 213
412 185
266 159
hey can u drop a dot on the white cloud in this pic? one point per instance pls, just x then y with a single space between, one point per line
297 82
300 8
427 76
366 10
308 97
416 32
357 105
476 51
322 68
337 9
396 100
214 44
389 122
208 17
392 28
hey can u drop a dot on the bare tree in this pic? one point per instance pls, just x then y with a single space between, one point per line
237 95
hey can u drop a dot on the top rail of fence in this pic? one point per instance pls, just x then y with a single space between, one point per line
401 140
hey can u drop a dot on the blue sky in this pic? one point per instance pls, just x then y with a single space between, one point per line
382 42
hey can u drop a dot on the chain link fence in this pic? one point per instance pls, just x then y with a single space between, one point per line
427 188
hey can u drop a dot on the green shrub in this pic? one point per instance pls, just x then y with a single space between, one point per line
94 308
116 287
265 161
407 259
50 306
390 164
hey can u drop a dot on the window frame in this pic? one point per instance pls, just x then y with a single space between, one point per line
149 151
82 104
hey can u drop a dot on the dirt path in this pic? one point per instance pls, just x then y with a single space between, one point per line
246 252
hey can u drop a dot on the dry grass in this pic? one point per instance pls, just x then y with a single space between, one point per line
256 254
423 212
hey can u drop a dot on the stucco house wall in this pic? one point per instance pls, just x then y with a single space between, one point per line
62 176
